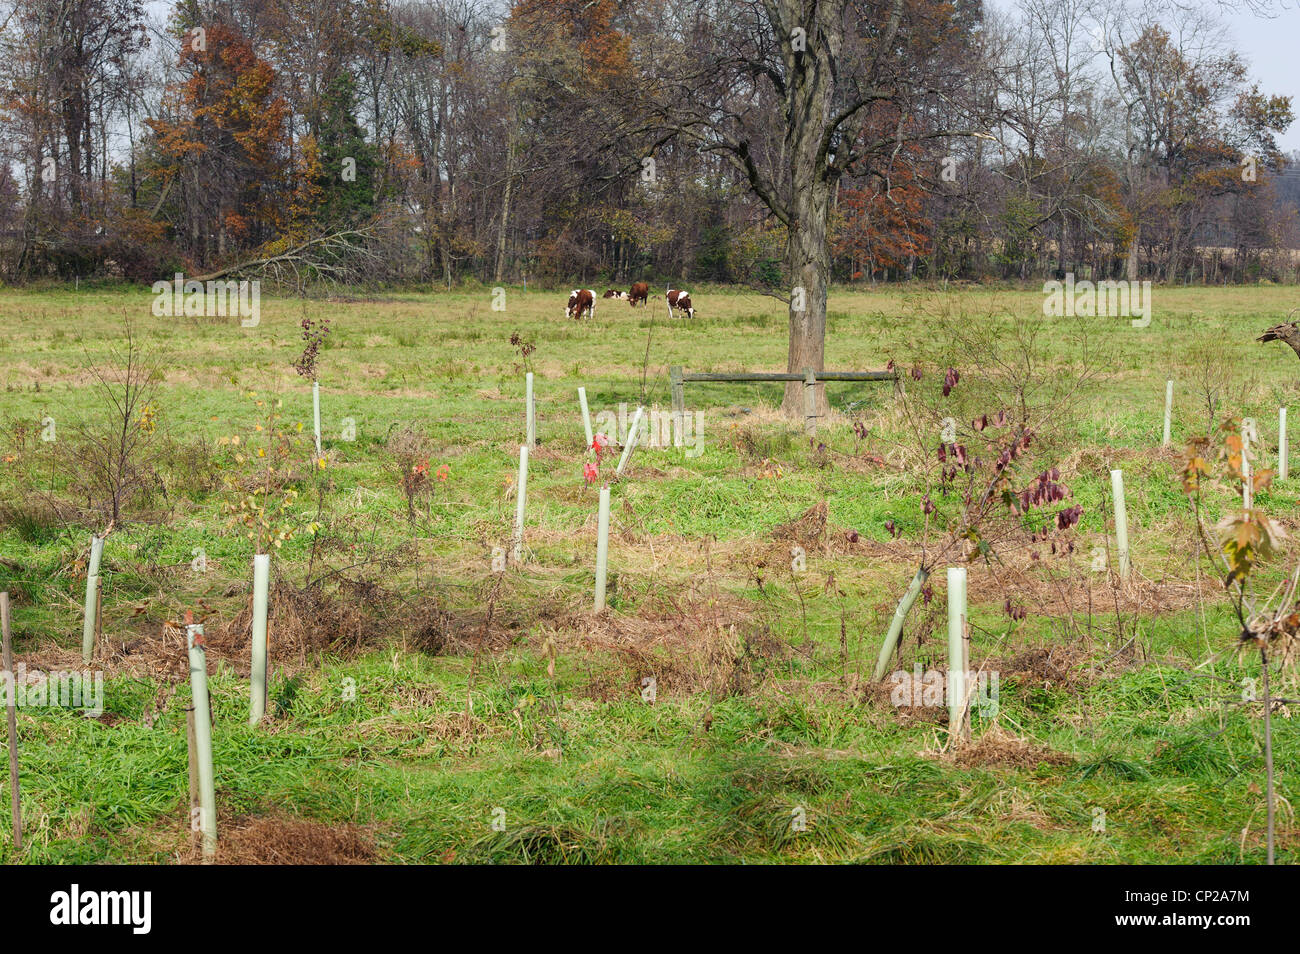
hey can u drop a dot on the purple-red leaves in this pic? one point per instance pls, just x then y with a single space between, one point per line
1068 517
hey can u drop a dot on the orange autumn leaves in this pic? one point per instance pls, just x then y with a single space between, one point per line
229 131
229 90
883 223
1248 536
588 28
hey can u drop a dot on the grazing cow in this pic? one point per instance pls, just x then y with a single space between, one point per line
640 293
580 300
680 300
614 293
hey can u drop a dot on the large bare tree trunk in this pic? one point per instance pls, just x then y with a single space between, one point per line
811 73
808 265
826 107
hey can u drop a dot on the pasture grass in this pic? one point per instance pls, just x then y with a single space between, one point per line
1118 737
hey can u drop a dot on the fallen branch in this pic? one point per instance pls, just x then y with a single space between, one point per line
347 242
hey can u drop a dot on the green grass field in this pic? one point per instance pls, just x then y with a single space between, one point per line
425 708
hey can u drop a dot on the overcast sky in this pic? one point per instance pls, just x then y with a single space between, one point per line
1270 45
1272 48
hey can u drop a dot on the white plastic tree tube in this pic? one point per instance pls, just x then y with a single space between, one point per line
315 411
632 431
521 495
1283 450
92 599
1121 522
896 624
956 650
261 599
1247 480
602 547
530 414
1169 412
203 738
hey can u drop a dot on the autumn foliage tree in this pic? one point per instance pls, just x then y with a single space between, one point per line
221 150
883 223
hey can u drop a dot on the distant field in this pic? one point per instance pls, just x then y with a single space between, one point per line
418 695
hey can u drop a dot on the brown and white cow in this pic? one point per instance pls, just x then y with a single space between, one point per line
680 300
580 300
640 292
614 293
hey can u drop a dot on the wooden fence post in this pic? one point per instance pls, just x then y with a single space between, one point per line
810 400
12 714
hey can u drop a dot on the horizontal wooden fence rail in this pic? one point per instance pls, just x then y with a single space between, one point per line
808 376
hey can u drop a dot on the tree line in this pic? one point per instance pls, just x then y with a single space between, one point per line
783 144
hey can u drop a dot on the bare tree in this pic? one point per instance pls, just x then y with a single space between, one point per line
114 454
844 84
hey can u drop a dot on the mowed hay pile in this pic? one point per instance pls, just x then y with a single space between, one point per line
282 840
349 618
703 644
774 557
305 621
910 699
1056 585
491 623
997 747
1046 667
808 529
358 616
353 617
